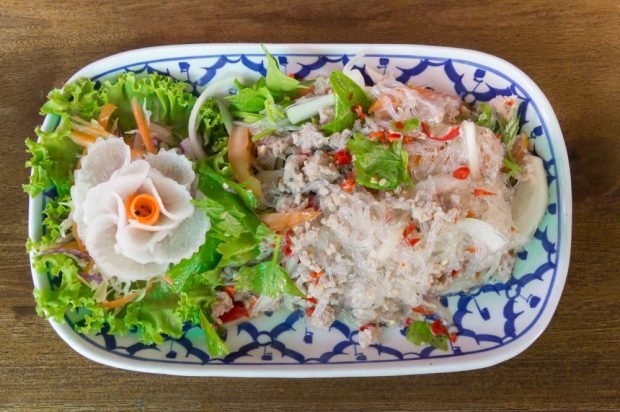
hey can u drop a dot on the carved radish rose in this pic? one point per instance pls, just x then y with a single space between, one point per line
136 217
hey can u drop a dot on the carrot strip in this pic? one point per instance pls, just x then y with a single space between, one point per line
104 115
78 241
120 301
138 114
82 139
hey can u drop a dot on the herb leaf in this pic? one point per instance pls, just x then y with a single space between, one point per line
420 333
379 166
268 278
347 94
276 80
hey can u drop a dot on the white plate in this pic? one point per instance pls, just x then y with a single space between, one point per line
495 322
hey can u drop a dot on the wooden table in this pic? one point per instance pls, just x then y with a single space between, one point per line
570 48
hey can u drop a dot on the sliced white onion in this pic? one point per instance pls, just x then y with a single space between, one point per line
217 88
308 108
468 130
356 76
484 233
531 196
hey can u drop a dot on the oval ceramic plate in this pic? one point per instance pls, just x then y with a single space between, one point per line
494 322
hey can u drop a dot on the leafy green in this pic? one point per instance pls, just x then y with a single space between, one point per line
268 278
71 294
233 220
169 101
277 81
204 260
215 344
408 125
347 94
420 333
155 315
379 166
54 155
250 99
56 211
486 117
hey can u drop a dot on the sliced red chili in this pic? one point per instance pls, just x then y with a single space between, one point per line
453 337
238 311
439 328
230 290
357 109
348 185
481 192
399 125
412 241
422 310
375 135
366 326
310 310
312 300
408 321
409 230
342 157
392 137
453 133
316 275
461 173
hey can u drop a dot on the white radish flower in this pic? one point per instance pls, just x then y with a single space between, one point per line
136 217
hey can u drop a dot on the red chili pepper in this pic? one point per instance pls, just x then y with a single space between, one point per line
412 241
237 311
461 173
453 337
409 230
291 75
408 321
482 192
439 328
498 135
310 311
230 290
422 310
366 326
453 133
399 125
348 185
357 109
392 137
375 135
342 157
316 275
454 272
312 300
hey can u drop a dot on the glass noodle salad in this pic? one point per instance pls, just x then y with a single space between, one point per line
349 197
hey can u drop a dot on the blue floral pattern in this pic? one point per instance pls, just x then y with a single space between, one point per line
486 318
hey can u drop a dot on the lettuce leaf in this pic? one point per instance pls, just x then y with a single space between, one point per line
233 220
420 333
277 81
169 101
56 211
379 166
54 155
268 278
71 293
347 94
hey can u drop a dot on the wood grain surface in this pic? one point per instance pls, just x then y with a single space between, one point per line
570 48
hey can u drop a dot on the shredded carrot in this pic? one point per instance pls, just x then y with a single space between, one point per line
138 114
422 310
82 139
120 301
481 192
78 241
137 154
143 208
104 115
